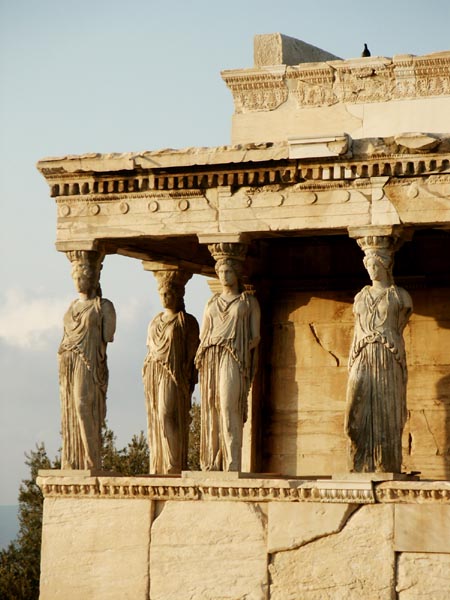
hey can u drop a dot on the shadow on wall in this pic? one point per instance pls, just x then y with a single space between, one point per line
443 391
424 270
426 442
314 281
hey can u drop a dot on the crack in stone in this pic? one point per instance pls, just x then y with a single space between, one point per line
352 510
212 206
316 336
410 443
431 433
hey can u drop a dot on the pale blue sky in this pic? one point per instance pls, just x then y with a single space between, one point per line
109 76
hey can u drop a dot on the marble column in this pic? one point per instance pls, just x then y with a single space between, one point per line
89 325
376 390
227 360
169 374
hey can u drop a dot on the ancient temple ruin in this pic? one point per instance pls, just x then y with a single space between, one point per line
328 157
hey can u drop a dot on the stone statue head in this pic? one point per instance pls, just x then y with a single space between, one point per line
379 248
383 259
86 267
231 255
171 288
235 265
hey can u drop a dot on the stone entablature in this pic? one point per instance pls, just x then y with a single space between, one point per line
198 486
256 188
360 80
114 175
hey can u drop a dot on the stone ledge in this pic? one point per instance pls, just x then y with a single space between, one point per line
413 492
210 488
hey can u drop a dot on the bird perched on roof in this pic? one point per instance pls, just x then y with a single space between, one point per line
366 51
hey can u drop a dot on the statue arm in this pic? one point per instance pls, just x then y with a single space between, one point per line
109 321
354 342
406 309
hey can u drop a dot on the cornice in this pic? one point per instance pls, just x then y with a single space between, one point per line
374 79
375 158
258 89
421 492
245 490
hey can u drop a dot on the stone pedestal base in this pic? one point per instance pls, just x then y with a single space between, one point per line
209 536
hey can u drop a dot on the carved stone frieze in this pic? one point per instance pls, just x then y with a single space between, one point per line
364 83
244 490
314 87
432 76
351 81
264 90
420 492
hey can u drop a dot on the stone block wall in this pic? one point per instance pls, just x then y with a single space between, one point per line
311 338
95 549
253 539
426 439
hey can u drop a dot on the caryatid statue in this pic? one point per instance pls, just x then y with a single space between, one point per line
169 375
227 361
89 324
376 391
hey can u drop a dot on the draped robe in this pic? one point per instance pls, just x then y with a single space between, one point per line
376 390
224 348
83 378
169 379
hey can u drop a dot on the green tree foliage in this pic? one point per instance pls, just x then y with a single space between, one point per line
20 562
131 460
194 439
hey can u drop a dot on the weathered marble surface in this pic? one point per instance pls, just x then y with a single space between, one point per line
417 530
356 563
95 549
208 551
306 433
423 576
294 525
234 191
278 49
